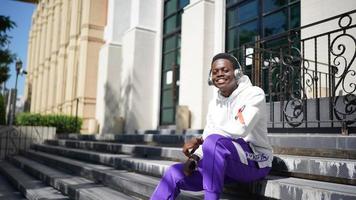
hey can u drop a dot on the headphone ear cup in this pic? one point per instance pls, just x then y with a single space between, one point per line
238 74
210 81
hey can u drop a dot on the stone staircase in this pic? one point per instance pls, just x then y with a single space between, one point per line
306 166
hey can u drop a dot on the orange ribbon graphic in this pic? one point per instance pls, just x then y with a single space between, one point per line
239 115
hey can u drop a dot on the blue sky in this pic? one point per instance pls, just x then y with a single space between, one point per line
21 14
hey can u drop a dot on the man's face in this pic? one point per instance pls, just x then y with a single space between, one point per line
223 76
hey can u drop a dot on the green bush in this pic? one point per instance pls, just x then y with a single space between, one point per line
2 111
63 123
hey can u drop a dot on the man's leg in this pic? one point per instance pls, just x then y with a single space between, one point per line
247 172
220 160
174 180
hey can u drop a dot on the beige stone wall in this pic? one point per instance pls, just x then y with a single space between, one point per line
63 52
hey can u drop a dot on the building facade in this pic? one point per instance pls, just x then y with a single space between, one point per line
63 53
132 65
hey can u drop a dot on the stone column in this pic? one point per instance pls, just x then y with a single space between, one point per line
53 57
92 24
110 66
72 58
28 80
219 26
62 54
42 82
196 50
140 66
47 55
38 57
33 71
31 64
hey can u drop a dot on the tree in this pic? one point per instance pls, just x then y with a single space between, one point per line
6 56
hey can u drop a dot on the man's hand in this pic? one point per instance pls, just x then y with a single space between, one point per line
190 165
192 144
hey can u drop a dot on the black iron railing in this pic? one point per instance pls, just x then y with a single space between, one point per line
309 80
14 139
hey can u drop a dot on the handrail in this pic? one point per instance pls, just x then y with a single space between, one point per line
14 139
309 82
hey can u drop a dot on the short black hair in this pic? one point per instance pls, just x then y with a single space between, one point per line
226 56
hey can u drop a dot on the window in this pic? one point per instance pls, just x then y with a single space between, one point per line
173 10
268 21
246 19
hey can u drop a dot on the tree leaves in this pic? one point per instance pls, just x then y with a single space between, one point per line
6 56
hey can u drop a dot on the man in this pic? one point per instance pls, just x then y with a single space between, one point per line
234 145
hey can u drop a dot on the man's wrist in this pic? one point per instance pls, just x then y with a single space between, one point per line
194 157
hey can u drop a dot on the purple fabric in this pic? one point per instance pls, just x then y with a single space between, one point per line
221 164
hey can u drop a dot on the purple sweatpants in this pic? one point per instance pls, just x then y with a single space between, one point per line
221 162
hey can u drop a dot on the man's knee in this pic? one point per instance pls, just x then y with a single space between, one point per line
175 170
211 141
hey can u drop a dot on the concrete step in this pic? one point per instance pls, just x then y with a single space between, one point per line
7 192
320 145
316 168
151 139
75 187
151 166
31 188
295 188
314 144
334 170
139 150
130 183
272 187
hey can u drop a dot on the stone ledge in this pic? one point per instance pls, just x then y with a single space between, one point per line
314 141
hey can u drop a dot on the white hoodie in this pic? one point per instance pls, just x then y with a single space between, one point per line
222 118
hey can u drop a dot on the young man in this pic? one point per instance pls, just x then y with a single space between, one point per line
234 145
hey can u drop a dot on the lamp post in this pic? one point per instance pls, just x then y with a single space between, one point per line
19 71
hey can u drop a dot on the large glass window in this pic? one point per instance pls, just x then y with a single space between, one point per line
246 19
173 10
263 24
242 23
275 23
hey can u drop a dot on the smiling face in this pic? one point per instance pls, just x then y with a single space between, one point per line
222 72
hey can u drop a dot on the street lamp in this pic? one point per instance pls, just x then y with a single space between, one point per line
19 71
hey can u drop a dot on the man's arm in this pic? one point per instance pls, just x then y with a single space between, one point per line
191 146
245 117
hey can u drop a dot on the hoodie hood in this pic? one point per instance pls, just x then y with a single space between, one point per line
243 83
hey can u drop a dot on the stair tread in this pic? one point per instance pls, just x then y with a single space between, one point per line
296 182
108 155
33 189
298 140
110 173
180 149
82 185
7 192
319 168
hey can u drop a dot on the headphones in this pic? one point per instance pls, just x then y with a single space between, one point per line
238 69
